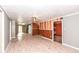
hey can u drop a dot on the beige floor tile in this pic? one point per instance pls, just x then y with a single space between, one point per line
37 44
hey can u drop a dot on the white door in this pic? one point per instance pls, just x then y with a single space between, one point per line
29 29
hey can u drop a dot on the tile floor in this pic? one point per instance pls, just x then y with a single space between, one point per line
36 44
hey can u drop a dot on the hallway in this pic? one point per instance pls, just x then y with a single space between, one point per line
37 44
56 25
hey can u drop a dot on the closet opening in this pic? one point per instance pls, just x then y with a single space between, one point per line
58 30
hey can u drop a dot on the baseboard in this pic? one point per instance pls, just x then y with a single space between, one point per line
70 46
46 38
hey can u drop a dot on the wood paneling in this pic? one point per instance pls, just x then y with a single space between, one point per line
58 28
46 25
46 33
44 29
35 29
58 31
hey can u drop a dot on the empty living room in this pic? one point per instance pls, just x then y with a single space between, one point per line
38 28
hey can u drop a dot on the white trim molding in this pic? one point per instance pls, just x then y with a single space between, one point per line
75 13
46 38
70 46
2 31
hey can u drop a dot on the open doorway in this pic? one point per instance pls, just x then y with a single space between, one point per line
58 31
29 29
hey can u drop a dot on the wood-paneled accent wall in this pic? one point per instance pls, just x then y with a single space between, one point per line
35 29
46 33
45 28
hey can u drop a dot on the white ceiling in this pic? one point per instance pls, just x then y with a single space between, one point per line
44 12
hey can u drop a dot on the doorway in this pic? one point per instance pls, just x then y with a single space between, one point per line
30 29
58 31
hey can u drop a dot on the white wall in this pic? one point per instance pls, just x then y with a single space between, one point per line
0 31
71 30
13 30
6 30
10 29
